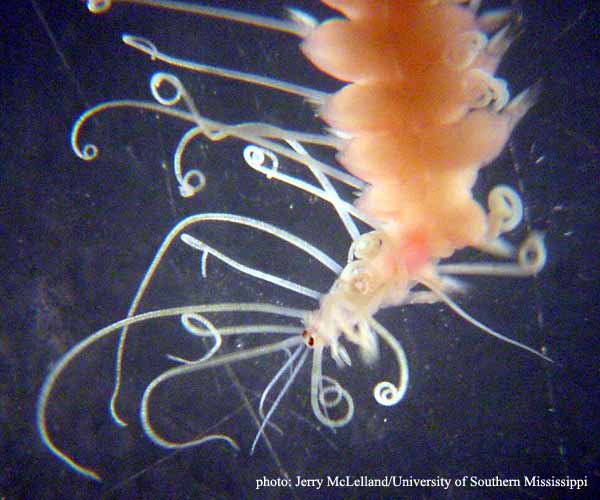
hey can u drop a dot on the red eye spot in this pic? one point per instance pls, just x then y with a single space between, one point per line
310 339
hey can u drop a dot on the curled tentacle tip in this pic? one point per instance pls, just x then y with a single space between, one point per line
256 157
158 80
187 191
387 394
188 239
88 153
532 253
140 43
485 90
192 182
505 204
98 6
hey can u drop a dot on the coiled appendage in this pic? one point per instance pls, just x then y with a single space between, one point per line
532 253
168 92
346 312
208 330
256 158
483 90
194 180
505 210
328 398
505 213
98 6
386 393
